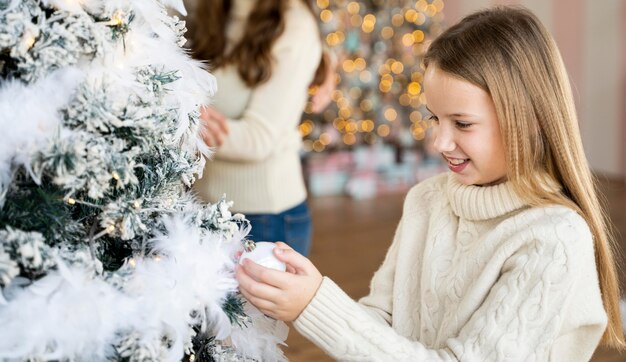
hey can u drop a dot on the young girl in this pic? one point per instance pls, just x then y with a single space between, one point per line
507 256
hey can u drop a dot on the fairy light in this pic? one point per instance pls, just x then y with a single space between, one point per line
349 139
421 5
326 15
399 34
110 228
322 4
115 175
132 262
192 357
383 130
29 41
390 114
414 88
157 258
71 201
136 204
117 19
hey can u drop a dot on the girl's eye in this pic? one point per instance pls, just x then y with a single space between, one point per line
462 124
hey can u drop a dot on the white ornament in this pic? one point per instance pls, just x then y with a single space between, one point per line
262 254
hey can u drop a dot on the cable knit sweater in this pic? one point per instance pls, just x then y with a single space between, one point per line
473 274
258 166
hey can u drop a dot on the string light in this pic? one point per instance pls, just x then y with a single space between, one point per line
400 34
71 201
29 41
115 175
117 19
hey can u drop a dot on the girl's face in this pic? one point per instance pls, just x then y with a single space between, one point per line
465 128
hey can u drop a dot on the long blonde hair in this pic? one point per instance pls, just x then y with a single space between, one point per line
508 53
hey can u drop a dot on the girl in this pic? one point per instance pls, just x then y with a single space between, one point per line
506 257
264 55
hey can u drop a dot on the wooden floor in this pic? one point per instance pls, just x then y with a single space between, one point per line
352 236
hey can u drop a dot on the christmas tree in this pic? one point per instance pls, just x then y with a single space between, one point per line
105 254
379 98
373 138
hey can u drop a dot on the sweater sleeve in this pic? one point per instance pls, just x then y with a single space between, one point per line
275 107
518 321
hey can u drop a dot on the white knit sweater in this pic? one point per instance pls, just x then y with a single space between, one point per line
472 275
258 166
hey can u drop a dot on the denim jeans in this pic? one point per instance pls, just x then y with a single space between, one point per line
292 226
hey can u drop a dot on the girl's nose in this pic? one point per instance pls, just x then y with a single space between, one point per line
444 139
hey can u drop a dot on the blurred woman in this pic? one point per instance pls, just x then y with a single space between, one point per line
264 54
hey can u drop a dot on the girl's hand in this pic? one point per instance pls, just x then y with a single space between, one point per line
280 295
324 92
215 126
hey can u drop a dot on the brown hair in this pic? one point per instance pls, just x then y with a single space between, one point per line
508 53
252 55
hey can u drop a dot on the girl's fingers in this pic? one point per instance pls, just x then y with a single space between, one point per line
275 278
211 115
301 264
212 134
260 303
255 289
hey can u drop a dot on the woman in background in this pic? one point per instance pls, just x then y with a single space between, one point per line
264 55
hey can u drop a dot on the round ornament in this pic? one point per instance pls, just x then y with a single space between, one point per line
262 253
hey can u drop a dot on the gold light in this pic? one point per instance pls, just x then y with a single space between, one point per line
349 139
390 114
418 36
407 39
421 5
354 7
386 32
322 4
397 20
326 15
325 138
414 88
410 15
383 130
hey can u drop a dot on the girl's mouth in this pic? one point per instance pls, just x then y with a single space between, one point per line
457 164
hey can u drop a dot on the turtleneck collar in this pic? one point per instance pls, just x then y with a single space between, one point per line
482 202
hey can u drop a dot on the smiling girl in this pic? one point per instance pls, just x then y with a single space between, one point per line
506 257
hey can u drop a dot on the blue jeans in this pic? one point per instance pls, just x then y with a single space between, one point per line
292 226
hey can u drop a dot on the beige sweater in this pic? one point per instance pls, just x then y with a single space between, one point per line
258 166
472 275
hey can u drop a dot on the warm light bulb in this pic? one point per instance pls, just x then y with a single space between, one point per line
115 175
117 19
71 201
29 41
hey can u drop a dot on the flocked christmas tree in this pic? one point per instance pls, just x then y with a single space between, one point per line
105 255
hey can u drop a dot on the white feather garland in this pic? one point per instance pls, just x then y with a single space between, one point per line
71 313
29 117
